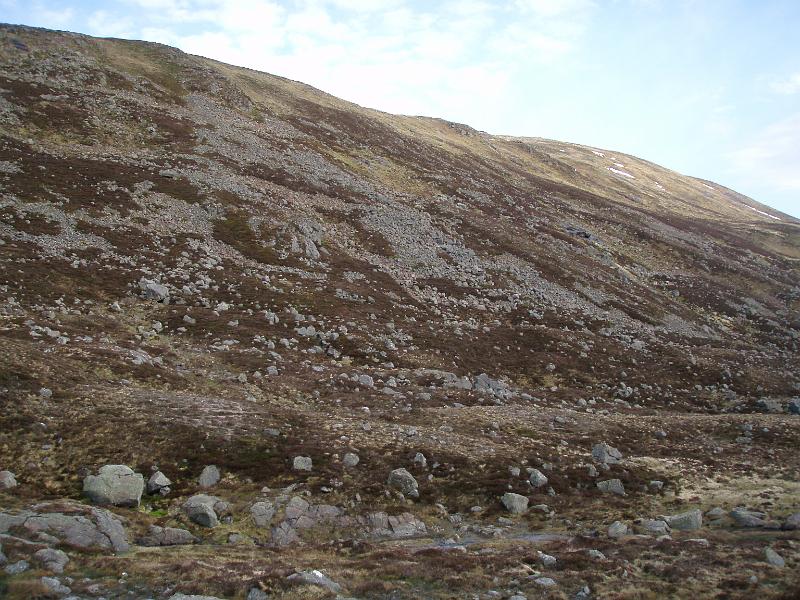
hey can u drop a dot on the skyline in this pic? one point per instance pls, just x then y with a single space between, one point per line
710 89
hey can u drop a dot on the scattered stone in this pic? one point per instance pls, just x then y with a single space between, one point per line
316 578
167 536
209 477
547 560
605 454
257 594
420 460
52 559
18 567
151 290
596 554
350 460
792 522
404 482
537 478
7 480
202 509
544 581
686 521
116 485
192 597
45 393
653 527
262 513
611 486
158 484
748 518
516 504
617 529
773 558
302 463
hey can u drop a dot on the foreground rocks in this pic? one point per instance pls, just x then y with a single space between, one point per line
114 485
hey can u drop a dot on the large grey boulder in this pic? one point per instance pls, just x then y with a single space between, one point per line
158 484
202 509
52 559
350 460
748 518
611 486
404 482
209 477
516 504
605 454
773 558
7 480
152 290
315 578
537 478
117 485
617 529
167 536
685 521
262 513
55 586
76 525
792 522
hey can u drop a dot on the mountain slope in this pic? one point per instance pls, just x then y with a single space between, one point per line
204 264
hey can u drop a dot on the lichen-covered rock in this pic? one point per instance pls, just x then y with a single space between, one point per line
404 482
116 485
167 536
516 504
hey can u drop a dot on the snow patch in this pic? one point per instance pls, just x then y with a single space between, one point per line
708 186
618 172
761 212
596 153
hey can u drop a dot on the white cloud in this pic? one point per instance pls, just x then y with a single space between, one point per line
788 86
773 158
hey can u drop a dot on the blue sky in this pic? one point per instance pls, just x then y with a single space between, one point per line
710 88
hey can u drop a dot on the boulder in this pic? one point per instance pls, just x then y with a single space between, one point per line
537 478
51 559
202 509
302 463
792 522
18 567
617 529
167 536
152 290
316 578
404 482
257 594
209 477
192 597
116 485
605 454
7 480
748 518
685 521
516 504
611 486
158 484
350 460
794 406
55 586
262 513
773 558
653 527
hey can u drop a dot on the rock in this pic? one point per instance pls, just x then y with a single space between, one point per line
605 454
158 484
45 393
151 290
302 463
257 594
685 521
516 504
544 581
284 534
55 586
350 460
653 527
117 485
420 460
748 518
617 529
537 478
596 554
404 482
7 480
406 525
315 578
192 597
85 527
792 522
262 513
773 558
794 406
612 486
52 559
18 567
202 509
547 560
209 477
167 536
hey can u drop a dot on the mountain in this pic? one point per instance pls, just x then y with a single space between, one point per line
374 355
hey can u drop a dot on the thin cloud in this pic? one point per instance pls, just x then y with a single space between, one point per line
788 86
773 158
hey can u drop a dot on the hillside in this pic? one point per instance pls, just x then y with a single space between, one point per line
569 350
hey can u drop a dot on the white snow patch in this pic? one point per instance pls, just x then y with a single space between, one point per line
596 153
618 172
658 185
708 186
761 212
620 165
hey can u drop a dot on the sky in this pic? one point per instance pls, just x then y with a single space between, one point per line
710 88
